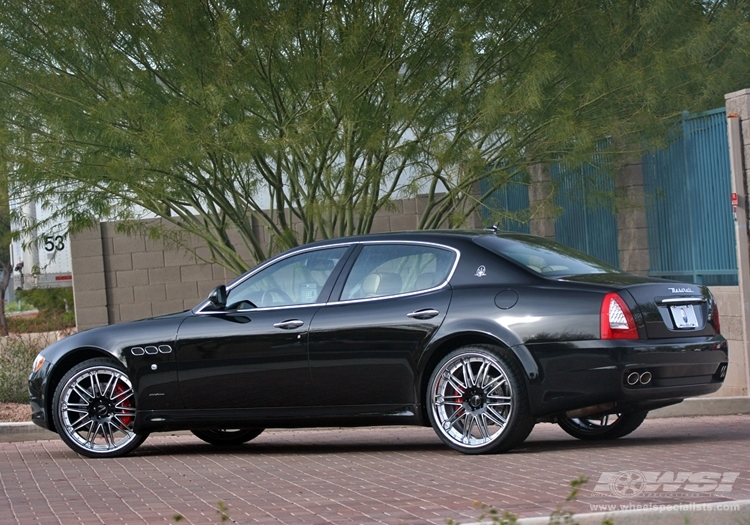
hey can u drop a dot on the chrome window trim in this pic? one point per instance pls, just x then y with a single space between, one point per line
199 309
405 294
264 308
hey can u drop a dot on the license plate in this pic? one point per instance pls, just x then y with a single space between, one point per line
684 316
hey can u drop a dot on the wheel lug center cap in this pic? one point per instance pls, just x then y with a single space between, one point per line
475 398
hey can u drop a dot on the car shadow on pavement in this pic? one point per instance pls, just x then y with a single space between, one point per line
284 449
570 444
279 444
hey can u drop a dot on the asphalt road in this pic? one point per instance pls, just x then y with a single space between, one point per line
400 475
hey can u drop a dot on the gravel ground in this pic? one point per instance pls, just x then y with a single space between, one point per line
14 412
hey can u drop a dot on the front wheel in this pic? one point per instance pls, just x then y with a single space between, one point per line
225 437
609 426
94 409
477 401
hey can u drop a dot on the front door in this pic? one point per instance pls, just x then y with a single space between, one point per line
253 352
245 359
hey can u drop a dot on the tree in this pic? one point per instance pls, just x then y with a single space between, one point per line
305 118
6 269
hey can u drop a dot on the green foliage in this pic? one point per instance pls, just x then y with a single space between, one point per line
16 355
18 306
221 118
49 300
52 322
221 510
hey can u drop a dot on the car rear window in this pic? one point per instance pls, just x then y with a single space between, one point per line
543 256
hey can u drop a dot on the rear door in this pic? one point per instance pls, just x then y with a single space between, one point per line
363 347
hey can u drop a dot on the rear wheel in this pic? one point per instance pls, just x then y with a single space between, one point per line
225 437
94 409
609 426
477 401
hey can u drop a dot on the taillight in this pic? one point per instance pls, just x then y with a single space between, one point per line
616 319
715 319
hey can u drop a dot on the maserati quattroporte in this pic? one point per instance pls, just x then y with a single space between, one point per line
479 334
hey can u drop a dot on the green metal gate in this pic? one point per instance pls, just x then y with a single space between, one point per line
688 185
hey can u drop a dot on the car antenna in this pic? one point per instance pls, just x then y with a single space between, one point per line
492 228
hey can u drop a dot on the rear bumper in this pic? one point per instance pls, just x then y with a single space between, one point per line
597 375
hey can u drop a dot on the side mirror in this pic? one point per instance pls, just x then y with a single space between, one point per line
218 296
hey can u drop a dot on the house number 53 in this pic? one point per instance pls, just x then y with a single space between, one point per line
52 244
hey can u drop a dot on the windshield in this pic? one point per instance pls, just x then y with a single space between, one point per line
543 256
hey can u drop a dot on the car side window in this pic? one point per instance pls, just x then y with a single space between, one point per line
298 279
393 269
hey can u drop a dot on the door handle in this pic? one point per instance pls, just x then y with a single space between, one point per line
426 313
289 324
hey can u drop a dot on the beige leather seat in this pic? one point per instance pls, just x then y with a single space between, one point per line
383 283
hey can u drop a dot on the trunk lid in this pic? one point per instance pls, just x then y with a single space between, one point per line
663 309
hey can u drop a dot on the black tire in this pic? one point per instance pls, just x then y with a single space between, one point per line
477 402
223 437
611 426
93 409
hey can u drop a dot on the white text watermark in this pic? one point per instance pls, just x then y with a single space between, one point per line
633 483
674 507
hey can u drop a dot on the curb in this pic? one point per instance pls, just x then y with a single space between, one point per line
705 406
714 513
14 432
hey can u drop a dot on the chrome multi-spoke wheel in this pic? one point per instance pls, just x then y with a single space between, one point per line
607 426
94 409
228 437
477 402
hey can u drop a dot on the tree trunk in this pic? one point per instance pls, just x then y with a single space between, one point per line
7 273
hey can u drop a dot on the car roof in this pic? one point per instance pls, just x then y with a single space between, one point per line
419 235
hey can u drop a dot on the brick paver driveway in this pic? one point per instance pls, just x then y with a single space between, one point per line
383 475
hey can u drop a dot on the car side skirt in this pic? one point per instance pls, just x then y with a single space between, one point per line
294 417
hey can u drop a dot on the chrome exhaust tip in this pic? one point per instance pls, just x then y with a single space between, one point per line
633 378
645 378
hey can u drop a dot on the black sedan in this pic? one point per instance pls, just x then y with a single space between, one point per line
479 334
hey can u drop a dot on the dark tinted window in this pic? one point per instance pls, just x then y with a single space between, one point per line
543 256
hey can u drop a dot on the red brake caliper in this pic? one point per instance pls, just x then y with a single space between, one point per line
459 400
128 403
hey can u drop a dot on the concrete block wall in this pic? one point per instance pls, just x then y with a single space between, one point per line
729 300
738 112
632 238
118 278
89 283
541 204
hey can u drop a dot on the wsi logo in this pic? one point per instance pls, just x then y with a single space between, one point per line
631 483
